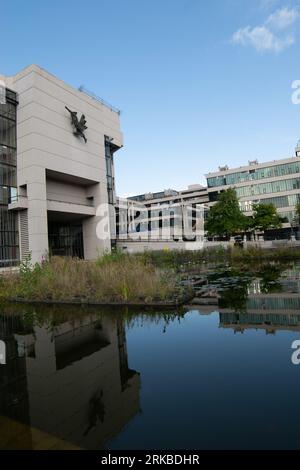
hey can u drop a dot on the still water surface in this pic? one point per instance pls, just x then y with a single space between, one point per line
205 378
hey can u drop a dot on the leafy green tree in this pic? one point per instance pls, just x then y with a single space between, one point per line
270 278
298 213
265 217
225 218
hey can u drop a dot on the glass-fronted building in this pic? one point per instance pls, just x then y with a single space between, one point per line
9 249
276 182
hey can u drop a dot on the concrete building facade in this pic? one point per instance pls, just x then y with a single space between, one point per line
167 219
52 180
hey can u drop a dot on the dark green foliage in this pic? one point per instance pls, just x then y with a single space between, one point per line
265 217
225 218
298 213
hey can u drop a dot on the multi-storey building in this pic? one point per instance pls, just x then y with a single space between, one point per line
56 168
166 219
276 182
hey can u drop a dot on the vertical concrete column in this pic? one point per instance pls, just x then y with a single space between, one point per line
93 245
41 379
37 213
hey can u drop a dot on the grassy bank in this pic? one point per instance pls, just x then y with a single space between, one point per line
234 255
147 278
116 278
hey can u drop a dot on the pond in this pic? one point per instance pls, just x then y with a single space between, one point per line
203 377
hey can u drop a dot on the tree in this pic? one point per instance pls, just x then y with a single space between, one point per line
265 217
225 218
298 213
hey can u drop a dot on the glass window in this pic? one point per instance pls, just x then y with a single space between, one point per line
9 250
266 188
255 174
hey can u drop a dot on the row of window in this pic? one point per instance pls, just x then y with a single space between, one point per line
109 171
274 303
8 155
9 256
255 174
289 216
7 194
7 132
164 212
8 110
8 239
9 250
267 188
65 240
7 220
259 303
11 97
8 175
160 195
279 202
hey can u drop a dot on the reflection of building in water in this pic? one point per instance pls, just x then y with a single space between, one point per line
289 282
274 311
74 380
13 383
287 301
254 287
284 302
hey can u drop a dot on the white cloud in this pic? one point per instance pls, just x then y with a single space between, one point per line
262 39
283 18
269 37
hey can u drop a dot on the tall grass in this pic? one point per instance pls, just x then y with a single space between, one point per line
112 278
122 278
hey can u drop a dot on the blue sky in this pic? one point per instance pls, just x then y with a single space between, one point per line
200 83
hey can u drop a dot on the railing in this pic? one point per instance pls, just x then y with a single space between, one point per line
19 198
16 198
90 204
101 100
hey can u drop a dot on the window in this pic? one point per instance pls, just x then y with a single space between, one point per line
255 174
109 170
9 249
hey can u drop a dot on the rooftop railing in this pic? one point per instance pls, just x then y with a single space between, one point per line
101 100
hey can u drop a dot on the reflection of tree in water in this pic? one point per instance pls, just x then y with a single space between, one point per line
232 287
269 275
96 411
235 298
154 317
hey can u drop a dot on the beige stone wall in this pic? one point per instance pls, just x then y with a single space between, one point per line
64 192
